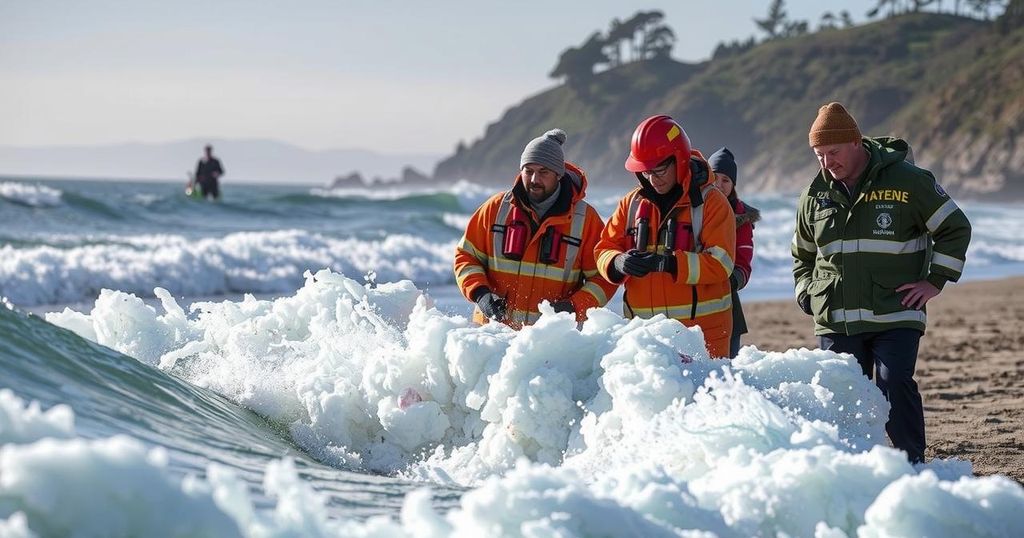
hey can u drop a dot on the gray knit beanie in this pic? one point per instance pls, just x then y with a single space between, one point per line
546 150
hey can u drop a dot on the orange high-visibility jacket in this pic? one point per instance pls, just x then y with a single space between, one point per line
700 293
526 282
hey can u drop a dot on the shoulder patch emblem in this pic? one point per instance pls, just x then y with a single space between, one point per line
939 190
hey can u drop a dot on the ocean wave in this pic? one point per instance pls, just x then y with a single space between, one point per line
243 262
30 195
618 427
469 195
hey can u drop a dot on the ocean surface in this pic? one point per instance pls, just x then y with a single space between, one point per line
295 361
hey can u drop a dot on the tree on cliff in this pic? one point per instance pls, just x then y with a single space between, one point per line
644 33
777 25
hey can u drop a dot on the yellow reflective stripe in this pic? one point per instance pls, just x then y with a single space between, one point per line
467 246
692 267
940 215
550 272
590 274
875 246
596 291
948 262
863 314
704 308
723 258
469 270
803 244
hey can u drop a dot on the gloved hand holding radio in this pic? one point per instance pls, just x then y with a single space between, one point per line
640 264
492 305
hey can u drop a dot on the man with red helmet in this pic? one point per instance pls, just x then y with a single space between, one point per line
533 243
672 239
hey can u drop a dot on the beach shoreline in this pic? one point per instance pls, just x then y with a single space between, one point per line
970 368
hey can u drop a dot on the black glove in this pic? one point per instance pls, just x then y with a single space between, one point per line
805 303
639 264
492 305
564 305
698 172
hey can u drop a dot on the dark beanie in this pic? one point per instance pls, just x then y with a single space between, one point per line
723 161
834 125
546 150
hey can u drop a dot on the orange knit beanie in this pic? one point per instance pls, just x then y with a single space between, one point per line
834 125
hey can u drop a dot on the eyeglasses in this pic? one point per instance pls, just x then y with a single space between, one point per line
658 172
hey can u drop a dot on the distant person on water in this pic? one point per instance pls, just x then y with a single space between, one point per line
876 238
723 164
208 172
534 242
672 239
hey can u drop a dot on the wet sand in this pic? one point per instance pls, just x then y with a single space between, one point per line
970 369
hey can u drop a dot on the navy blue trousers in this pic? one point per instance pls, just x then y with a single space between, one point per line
890 357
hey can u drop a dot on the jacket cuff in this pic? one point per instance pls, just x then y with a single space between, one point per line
937 280
614 275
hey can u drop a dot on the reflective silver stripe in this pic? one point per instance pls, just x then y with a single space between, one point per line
497 237
940 215
948 262
696 224
704 308
596 291
800 243
469 270
467 246
877 246
697 218
692 267
723 258
579 216
863 314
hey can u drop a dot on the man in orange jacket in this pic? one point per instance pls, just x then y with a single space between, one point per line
534 242
672 240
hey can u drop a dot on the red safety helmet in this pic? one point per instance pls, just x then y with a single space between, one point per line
657 138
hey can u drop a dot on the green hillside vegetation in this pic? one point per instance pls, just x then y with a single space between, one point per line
952 86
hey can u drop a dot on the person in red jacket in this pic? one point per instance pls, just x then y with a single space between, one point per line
534 243
723 164
672 239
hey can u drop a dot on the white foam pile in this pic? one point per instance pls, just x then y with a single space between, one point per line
615 428
254 262
30 195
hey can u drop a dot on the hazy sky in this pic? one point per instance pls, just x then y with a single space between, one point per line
384 75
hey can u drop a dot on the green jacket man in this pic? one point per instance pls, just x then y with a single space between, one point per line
876 238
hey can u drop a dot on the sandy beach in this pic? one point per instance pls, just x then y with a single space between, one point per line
970 369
